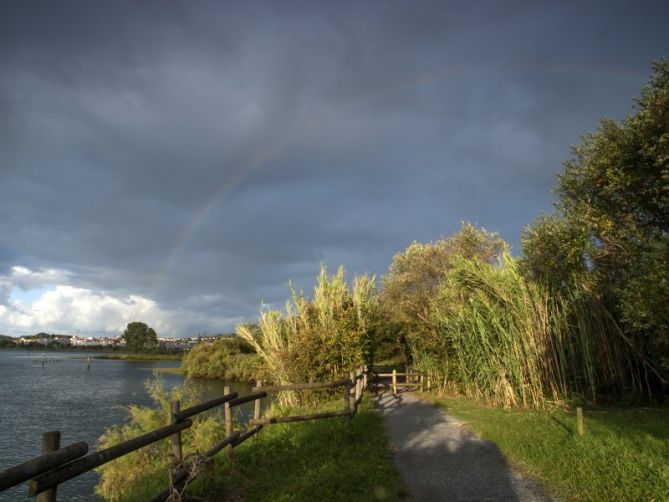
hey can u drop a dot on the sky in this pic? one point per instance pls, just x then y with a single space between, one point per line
178 162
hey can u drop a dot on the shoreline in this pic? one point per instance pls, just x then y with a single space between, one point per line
139 357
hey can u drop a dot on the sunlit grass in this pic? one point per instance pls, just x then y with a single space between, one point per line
336 459
623 455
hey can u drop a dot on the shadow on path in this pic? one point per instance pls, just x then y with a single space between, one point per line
441 461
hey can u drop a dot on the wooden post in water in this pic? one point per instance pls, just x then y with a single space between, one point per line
175 439
579 421
228 423
395 382
88 363
256 410
50 442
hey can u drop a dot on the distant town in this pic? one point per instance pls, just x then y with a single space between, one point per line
104 342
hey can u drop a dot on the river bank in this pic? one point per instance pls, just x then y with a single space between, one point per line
140 357
81 403
337 459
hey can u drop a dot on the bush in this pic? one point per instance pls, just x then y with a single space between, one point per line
226 358
320 339
142 474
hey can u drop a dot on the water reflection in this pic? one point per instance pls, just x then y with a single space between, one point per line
81 403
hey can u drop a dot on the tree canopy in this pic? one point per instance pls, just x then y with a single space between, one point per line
611 228
415 274
139 337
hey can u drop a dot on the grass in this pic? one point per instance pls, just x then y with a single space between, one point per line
140 357
334 459
623 455
173 371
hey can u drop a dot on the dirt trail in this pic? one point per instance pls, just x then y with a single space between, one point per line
441 461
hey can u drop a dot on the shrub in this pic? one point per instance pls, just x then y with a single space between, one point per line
226 358
142 474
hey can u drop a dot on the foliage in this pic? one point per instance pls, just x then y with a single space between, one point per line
508 341
226 358
319 339
139 337
414 276
139 475
554 252
7 341
283 462
613 209
623 455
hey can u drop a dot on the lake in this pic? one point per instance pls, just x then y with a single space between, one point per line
63 395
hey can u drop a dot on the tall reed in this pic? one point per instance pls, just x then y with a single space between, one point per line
319 339
511 342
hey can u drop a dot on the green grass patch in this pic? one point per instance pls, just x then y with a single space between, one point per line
173 371
334 459
623 455
140 357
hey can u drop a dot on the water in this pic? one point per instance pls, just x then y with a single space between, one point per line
63 395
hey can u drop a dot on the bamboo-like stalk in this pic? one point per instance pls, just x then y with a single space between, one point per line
512 342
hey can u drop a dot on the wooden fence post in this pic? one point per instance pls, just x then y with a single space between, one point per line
421 382
50 442
175 439
395 382
364 378
228 423
358 388
429 383
354 391
256 410
579 420
347 396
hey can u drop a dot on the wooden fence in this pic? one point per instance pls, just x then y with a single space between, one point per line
57 465
412 378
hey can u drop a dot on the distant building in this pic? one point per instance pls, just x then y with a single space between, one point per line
176 344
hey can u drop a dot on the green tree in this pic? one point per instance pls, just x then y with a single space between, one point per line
612 220
555 251
139 337
414 277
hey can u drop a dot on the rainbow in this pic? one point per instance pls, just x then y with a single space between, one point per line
264 156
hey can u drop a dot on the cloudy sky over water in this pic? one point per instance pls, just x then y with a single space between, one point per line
179 162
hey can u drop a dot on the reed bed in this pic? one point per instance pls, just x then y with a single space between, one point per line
319 339
512 342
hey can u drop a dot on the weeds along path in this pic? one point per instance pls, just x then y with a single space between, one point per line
441 461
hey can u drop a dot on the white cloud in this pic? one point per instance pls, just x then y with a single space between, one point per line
27 279
63 308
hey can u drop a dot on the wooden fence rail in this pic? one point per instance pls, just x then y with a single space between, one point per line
412 378
58 465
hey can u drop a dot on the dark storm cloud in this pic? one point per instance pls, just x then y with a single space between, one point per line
203 153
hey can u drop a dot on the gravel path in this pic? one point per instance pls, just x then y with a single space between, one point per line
441 461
